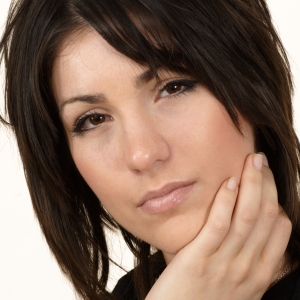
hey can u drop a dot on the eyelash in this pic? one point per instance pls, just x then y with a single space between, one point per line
187 84
78 131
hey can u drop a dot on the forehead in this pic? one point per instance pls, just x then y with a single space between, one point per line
85 59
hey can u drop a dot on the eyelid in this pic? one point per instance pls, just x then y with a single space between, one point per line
84 115
189 83
79 122
181 80
162 84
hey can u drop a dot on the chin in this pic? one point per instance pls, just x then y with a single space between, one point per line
177 233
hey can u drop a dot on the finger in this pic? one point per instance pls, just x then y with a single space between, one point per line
247 207
219 219
269 210
278 241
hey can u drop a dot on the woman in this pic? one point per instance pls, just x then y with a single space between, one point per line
145 116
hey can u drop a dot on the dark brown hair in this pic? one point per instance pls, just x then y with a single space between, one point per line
230 46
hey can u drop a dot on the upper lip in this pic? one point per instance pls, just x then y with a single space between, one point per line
164 190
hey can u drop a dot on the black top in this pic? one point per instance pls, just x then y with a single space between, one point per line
286 289
124 289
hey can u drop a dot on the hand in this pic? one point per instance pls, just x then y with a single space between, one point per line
236 254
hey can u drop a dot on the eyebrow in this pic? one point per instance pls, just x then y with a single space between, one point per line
96 98
140 80
143 78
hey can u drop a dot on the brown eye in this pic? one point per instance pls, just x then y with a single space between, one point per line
97 119
90 121
175 88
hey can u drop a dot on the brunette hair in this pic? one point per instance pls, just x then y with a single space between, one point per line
230 46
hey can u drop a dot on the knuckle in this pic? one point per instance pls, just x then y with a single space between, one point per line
243 271
227 199
218 227
239 234
254 179
271 212
249 217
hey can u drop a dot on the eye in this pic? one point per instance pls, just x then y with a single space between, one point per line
177 87
90 121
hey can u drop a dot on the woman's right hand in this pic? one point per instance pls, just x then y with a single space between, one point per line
239 251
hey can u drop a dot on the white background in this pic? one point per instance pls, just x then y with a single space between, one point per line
27 269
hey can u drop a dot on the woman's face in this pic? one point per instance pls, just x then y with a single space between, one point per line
155 152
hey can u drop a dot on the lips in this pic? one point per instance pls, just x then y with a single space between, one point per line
165 198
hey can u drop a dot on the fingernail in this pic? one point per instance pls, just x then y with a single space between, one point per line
258 161
265 160
231 183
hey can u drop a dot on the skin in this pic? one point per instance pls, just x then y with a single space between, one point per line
152 136
241 258
152 140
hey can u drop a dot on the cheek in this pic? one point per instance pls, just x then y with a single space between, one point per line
230 146
214 147
213 150
97 165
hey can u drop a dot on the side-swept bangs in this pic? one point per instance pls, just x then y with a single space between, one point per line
223 44
231 47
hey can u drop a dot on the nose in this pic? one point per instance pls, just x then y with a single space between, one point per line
146 147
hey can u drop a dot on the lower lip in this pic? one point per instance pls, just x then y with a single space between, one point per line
167 202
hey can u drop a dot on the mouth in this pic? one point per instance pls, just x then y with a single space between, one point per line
166 197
